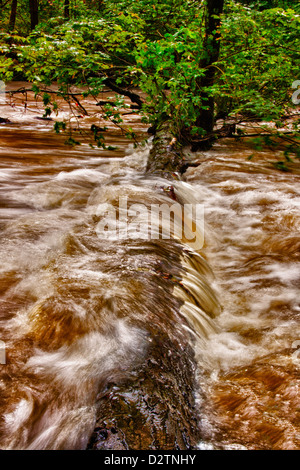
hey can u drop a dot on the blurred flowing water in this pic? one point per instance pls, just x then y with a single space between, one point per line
77 310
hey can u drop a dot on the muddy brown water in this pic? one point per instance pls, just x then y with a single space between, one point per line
72 310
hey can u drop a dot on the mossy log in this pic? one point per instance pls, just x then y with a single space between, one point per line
165 158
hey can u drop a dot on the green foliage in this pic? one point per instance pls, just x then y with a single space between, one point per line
58 126
72 142
259 61
77 53
168 71
160 48
6 69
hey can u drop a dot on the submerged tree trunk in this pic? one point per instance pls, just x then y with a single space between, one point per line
156 408
34 13
13 15
67 9
214 8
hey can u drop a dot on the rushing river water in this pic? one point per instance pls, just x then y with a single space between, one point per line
77 310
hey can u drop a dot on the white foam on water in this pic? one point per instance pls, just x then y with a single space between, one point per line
285 272
66 429
82 174
79 371
8 173
91 357
19 416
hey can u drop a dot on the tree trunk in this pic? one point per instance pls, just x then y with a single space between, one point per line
214 8
154 410
13 15
156 407
67 9
165 155
34 13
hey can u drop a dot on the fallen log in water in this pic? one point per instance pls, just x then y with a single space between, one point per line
156 407
156 410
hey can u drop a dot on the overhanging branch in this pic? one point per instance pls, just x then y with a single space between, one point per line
134 97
